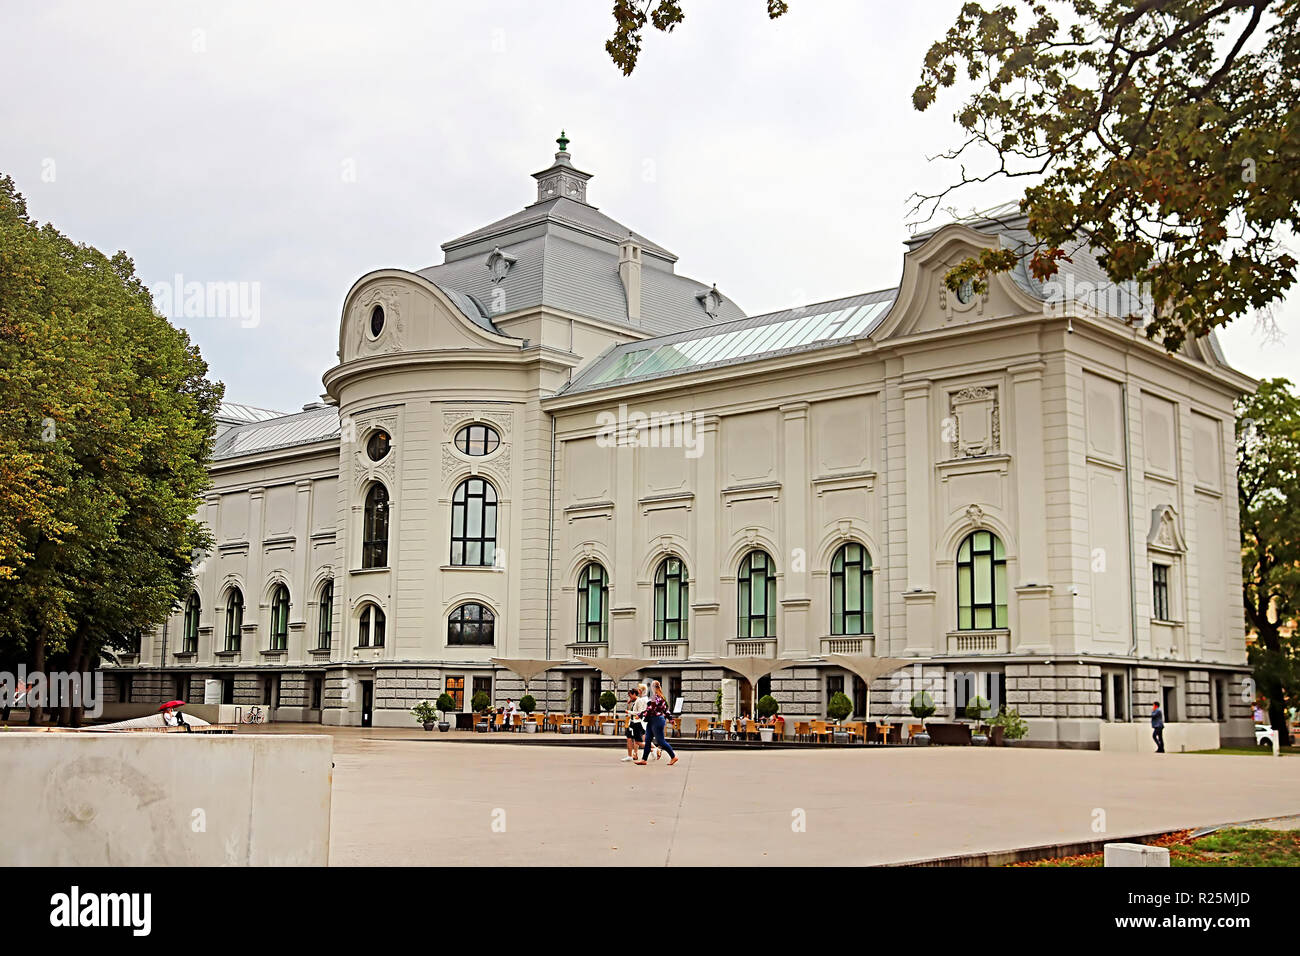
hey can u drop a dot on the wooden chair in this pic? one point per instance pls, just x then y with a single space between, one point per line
589 725
802 730
913 730
751 729
820 729
854 730
516 721
701 726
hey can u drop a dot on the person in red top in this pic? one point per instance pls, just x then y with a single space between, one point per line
656 717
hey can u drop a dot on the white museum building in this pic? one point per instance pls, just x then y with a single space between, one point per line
554 446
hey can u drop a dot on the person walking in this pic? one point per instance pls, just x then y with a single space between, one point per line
1158 727
635 723
656 713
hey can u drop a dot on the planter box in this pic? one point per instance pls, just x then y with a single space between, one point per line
566 728
530 728
608 728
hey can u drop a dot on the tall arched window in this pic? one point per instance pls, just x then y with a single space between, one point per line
370 628
374 528
474 524
190 635
471 625
981 582
234 618
279 618
852 600
325 623
593 605
672 600
756 603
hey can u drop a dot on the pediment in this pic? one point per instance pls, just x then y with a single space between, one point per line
925 304
1165 534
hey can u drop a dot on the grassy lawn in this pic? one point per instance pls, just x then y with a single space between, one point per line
1264 750
1230 847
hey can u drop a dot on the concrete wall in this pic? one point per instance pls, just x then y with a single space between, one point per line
92 799
1136 737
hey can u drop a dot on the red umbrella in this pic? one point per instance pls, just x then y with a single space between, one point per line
172 703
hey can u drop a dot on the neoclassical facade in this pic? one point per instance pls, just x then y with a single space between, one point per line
554 446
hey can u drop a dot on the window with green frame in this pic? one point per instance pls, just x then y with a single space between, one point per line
280 618
981 582
756 596
190 642
593 605
672 600
852 598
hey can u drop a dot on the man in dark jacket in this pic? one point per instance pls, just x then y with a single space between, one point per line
1158 727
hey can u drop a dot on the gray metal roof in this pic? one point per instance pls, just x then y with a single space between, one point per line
574 272
286 431
745 340
236 414
562 211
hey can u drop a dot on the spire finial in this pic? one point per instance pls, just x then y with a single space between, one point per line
563 141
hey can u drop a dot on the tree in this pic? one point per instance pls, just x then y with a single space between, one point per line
106 425
631 16
1268 489
1161 133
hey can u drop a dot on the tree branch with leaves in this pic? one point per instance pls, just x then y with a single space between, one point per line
1163 134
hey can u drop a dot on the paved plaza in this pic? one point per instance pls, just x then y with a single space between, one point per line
408 798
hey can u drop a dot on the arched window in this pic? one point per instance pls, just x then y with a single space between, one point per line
593 605
374 528
476 440
471 625
234 618
672 600
190 626
981 582
756 603
279 618
370 629
325 623
851 593
474 524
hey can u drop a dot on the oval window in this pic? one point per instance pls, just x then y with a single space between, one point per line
376 321
378 445
966 292
477 440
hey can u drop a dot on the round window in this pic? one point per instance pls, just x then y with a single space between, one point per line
378 445
966 292
477 440
376 321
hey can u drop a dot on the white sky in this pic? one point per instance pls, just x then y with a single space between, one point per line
210 140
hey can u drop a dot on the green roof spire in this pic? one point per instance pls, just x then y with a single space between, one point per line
564 142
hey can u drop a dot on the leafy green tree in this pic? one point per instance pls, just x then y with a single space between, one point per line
1268 490
106 425
631 17
1162 133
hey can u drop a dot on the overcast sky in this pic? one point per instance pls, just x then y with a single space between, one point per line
294 147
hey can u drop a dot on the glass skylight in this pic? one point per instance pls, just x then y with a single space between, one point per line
796 332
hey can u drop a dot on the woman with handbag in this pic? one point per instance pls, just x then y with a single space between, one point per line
656 716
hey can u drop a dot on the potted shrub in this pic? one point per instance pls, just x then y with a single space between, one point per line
1008 725
528 704
425 713
446 704
839 708
607 703
767 709
921 707
977 708
479 703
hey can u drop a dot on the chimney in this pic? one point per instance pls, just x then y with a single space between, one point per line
629 272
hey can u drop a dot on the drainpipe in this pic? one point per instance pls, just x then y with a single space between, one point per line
1132 564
